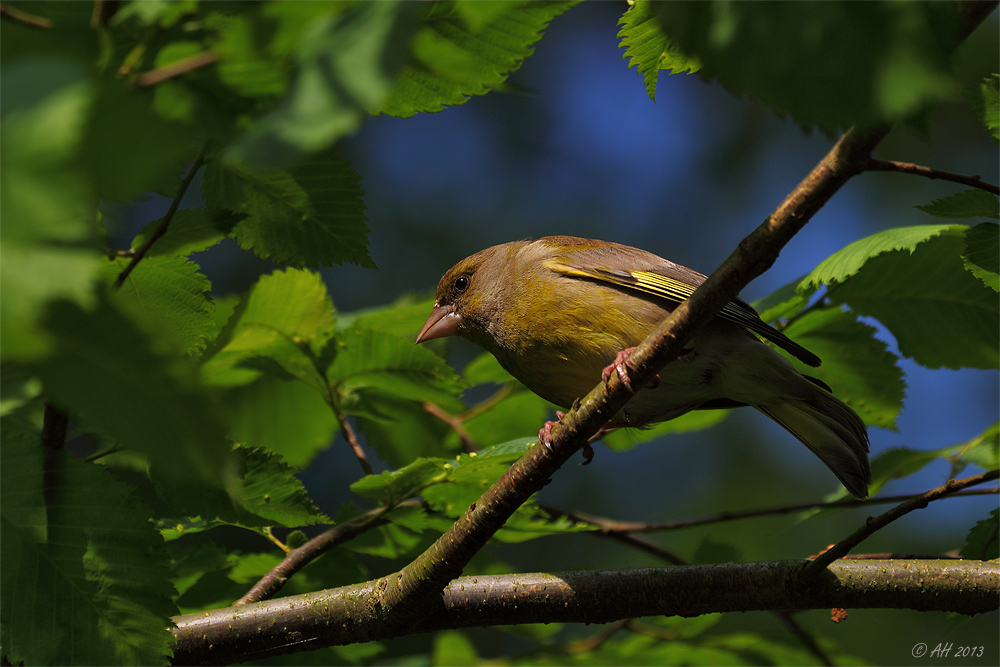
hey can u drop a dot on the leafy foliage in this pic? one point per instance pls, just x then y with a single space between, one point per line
194 417
648 48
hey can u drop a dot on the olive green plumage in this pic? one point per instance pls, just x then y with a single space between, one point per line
556 311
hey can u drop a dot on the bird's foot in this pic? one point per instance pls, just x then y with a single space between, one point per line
620 366
545 433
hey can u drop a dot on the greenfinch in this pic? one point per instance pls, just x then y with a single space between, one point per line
558 312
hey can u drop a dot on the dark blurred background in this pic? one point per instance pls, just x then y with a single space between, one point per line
582 150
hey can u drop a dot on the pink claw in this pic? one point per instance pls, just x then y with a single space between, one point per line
545 433
620 365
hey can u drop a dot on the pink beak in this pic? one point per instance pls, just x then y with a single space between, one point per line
443 321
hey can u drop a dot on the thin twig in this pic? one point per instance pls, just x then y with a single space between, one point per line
54 425
352 439
599 638
104 10
489 402
927 172
15 14
182 66
455 422
873 524
298 558
612 525
161 229
806 638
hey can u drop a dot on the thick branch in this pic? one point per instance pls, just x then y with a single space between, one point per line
306 622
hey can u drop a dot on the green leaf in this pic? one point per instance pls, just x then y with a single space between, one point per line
982 543
714 551
971 203
939 313
273 493
624 439
128 148
784 302
310 216
485 369
848 261
105 375
191 230
403 318
648 48
245 62
982 253
286 317
453 649
162 13
856 364
385 541
401 430
285 417
983 450
165 295
456 59
47 248
898 463
517 413
897 55
399 484
96 571
989 111
347 62
369 360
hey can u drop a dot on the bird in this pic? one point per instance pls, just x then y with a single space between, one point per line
560 313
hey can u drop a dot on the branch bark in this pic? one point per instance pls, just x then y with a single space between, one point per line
314 620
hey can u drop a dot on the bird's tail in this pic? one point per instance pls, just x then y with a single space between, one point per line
832 431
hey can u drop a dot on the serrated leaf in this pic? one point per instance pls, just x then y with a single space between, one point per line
846 262
784 302
310 216
287 318
285 417
47 248
971 203
100 577
939 313
369 360
623 439
648 48
982 542
858 366
165 295
455 60
273 493
347 61
104 373
982 253
402 430
516 413
127 148
399 484
983 450
989 112
403 318
898 463
191 230
897 55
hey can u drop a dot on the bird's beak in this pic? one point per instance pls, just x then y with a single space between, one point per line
443 321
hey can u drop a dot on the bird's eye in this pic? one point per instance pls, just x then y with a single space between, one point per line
461 284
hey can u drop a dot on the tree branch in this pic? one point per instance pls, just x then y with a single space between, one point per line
182 66
15 14
297 559
306 622
161 229
839 550
927 172
610 526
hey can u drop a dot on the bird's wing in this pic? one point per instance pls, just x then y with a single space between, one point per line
674 283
